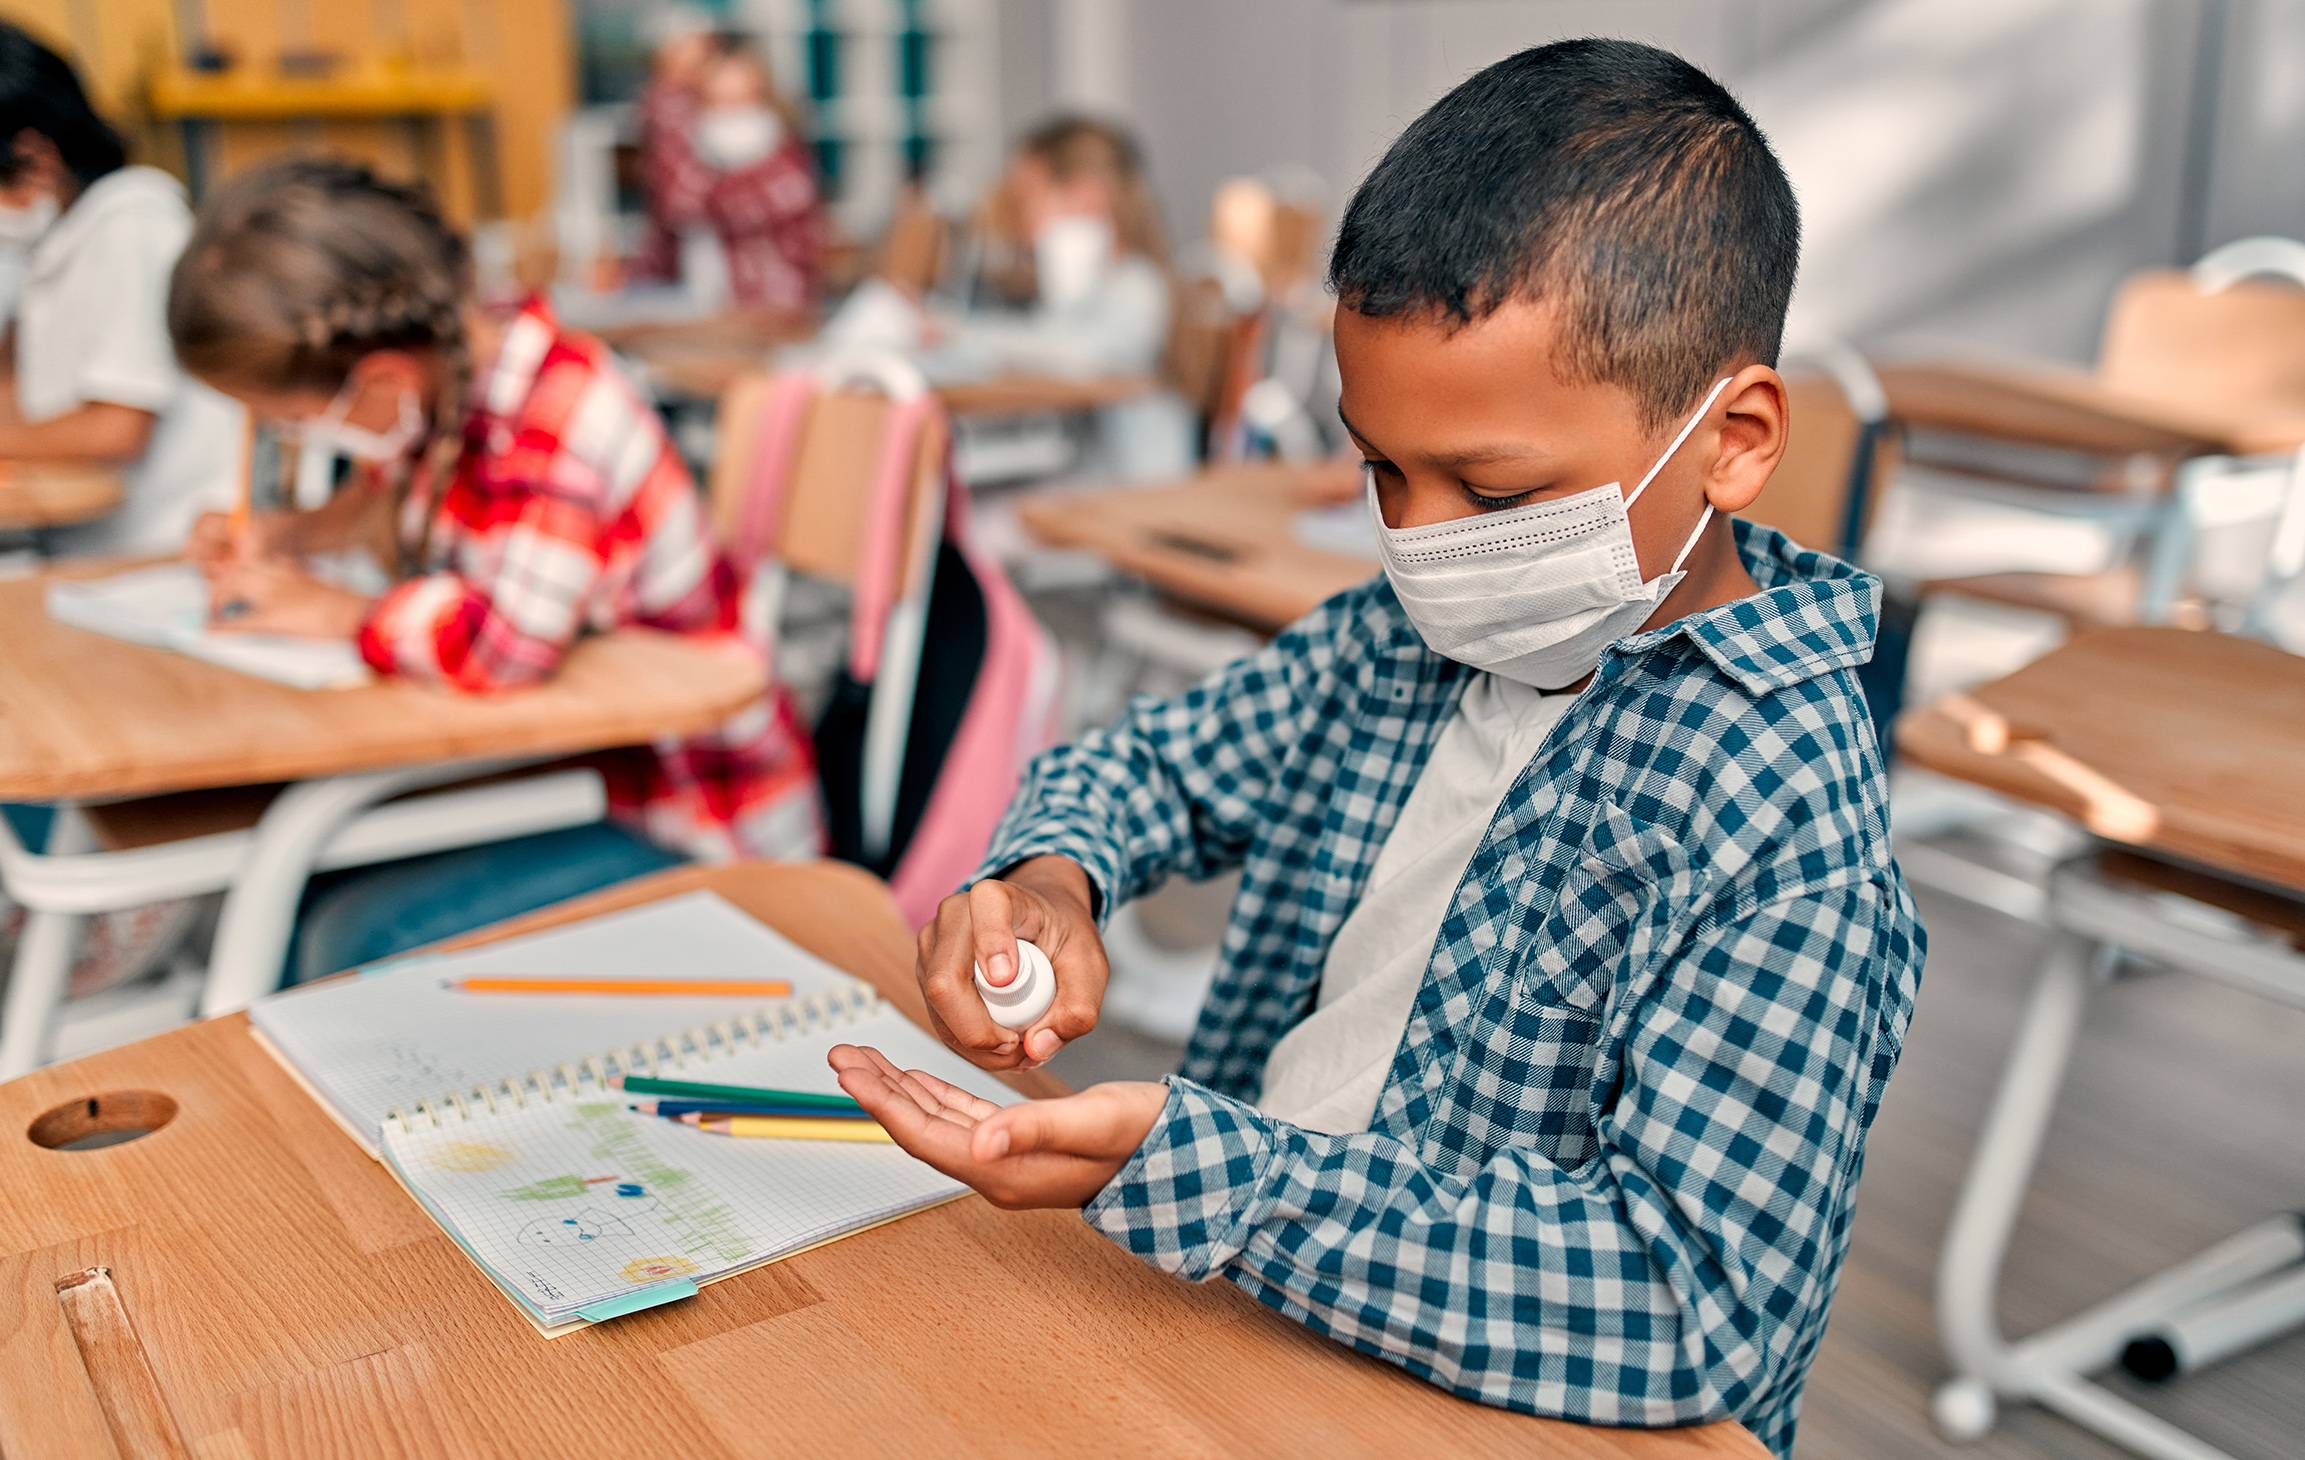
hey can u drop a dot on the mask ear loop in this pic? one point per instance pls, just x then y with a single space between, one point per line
1686 431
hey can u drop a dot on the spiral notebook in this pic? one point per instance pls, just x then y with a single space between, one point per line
577 1208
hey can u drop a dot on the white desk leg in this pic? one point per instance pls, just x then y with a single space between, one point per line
43 962
260 909
1969 1272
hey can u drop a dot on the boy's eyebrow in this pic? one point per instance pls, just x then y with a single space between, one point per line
1467 456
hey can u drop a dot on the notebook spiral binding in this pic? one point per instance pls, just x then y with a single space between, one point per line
785 1020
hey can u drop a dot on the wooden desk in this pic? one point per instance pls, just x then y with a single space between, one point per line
700 360
2166 740
293 1302
1225 541
87 716
54 494
2068 409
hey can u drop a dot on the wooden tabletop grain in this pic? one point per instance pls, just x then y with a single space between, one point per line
2071 410
292 1301
2168 740
1225 541
55 494
86 716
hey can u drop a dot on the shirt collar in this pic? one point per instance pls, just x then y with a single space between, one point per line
1814 614
505 382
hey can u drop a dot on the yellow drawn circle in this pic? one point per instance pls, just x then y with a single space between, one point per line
657 1269
470 1156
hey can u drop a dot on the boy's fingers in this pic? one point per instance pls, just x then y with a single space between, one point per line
1081 975
951 1096
1058 1126
993 908
947 982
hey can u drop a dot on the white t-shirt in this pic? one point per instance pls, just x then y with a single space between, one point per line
1327 1072
91 325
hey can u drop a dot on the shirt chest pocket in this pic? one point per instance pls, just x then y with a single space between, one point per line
1629 895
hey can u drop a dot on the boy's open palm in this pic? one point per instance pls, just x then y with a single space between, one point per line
1042 1153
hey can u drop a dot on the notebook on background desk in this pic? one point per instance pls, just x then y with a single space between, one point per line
166 607
495 1111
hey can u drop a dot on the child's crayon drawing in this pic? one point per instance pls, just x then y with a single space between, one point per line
470 1156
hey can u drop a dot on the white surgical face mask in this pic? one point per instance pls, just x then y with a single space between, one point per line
20 228
1069 256
1534 594
734 137
329 428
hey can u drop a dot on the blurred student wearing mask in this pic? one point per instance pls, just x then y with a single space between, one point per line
723 153
1076 187
90 376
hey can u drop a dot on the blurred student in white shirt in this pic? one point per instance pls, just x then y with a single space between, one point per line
1076 186
90 375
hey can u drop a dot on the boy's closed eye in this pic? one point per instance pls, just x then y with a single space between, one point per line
1480 496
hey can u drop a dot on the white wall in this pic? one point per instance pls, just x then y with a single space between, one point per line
1976 173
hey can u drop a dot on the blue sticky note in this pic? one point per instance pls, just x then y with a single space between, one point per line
649 1297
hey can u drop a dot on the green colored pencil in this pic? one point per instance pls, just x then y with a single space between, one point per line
691 1090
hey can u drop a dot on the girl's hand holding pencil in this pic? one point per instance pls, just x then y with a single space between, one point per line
269 596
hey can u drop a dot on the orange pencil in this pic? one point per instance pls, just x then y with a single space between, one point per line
244 507
752 988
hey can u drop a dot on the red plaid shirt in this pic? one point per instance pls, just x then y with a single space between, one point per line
766 215
568 512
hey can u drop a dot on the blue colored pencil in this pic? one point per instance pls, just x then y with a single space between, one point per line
673 1109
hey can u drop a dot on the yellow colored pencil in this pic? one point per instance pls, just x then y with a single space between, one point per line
755 988
788 1128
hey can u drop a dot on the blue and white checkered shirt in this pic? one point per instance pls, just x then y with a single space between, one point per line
1611 1174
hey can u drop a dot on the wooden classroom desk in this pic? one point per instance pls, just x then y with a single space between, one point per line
291 1301
54 494
699 362
2069 409
1224 541
85 718
2166 740
89 717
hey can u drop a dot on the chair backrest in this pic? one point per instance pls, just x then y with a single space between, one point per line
1277 238
825 517
1817 482
2236 353
914 251
1198 360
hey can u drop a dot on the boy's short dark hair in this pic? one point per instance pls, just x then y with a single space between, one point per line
40 92
1612 178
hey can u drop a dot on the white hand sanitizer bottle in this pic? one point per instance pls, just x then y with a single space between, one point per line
1027 995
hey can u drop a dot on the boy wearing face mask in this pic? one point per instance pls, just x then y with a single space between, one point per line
721 152
90 376
1570 960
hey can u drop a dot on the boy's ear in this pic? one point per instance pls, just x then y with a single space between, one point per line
1751 440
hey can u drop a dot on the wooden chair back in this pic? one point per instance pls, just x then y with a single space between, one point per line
1808 499
827 506
1200 358
1276 237
2235 354
914 251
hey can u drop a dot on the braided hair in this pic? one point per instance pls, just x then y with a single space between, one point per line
298 269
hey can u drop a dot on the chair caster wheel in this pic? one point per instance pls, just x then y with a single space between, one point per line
1964 1410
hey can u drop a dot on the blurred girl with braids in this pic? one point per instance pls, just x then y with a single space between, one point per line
524 493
